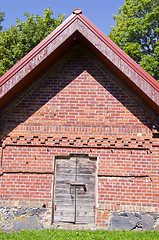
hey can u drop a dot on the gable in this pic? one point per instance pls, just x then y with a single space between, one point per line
77 28
78 91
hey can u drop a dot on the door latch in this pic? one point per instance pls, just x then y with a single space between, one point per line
79 185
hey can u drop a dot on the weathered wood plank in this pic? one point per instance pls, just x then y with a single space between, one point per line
85 197
64 201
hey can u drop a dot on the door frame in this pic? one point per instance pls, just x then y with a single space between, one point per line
54 179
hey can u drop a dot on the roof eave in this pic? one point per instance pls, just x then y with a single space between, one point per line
137 78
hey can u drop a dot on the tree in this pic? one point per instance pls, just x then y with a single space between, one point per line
18 40
1 19
137 32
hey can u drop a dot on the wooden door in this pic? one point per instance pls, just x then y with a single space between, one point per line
75 190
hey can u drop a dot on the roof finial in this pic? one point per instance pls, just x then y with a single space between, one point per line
77 11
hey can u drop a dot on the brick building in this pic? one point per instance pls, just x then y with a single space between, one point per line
79 134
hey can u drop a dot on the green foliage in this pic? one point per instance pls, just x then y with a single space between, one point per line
18 40
49 234
1 19
137 32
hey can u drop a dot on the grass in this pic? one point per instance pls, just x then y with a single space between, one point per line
79 235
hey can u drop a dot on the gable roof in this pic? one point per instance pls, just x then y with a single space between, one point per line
77 28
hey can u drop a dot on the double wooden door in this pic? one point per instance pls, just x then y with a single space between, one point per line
74 190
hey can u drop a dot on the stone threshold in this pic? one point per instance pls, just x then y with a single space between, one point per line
72 226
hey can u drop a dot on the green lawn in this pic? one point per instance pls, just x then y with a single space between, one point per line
74 235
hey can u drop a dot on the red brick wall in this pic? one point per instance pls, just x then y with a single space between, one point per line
27 159
79 106
26 187
124 162
129 191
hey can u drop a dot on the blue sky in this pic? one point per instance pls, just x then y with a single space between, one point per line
99 12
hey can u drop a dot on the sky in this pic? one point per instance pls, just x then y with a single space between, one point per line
100 12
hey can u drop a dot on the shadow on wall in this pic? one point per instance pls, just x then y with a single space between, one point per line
76 91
